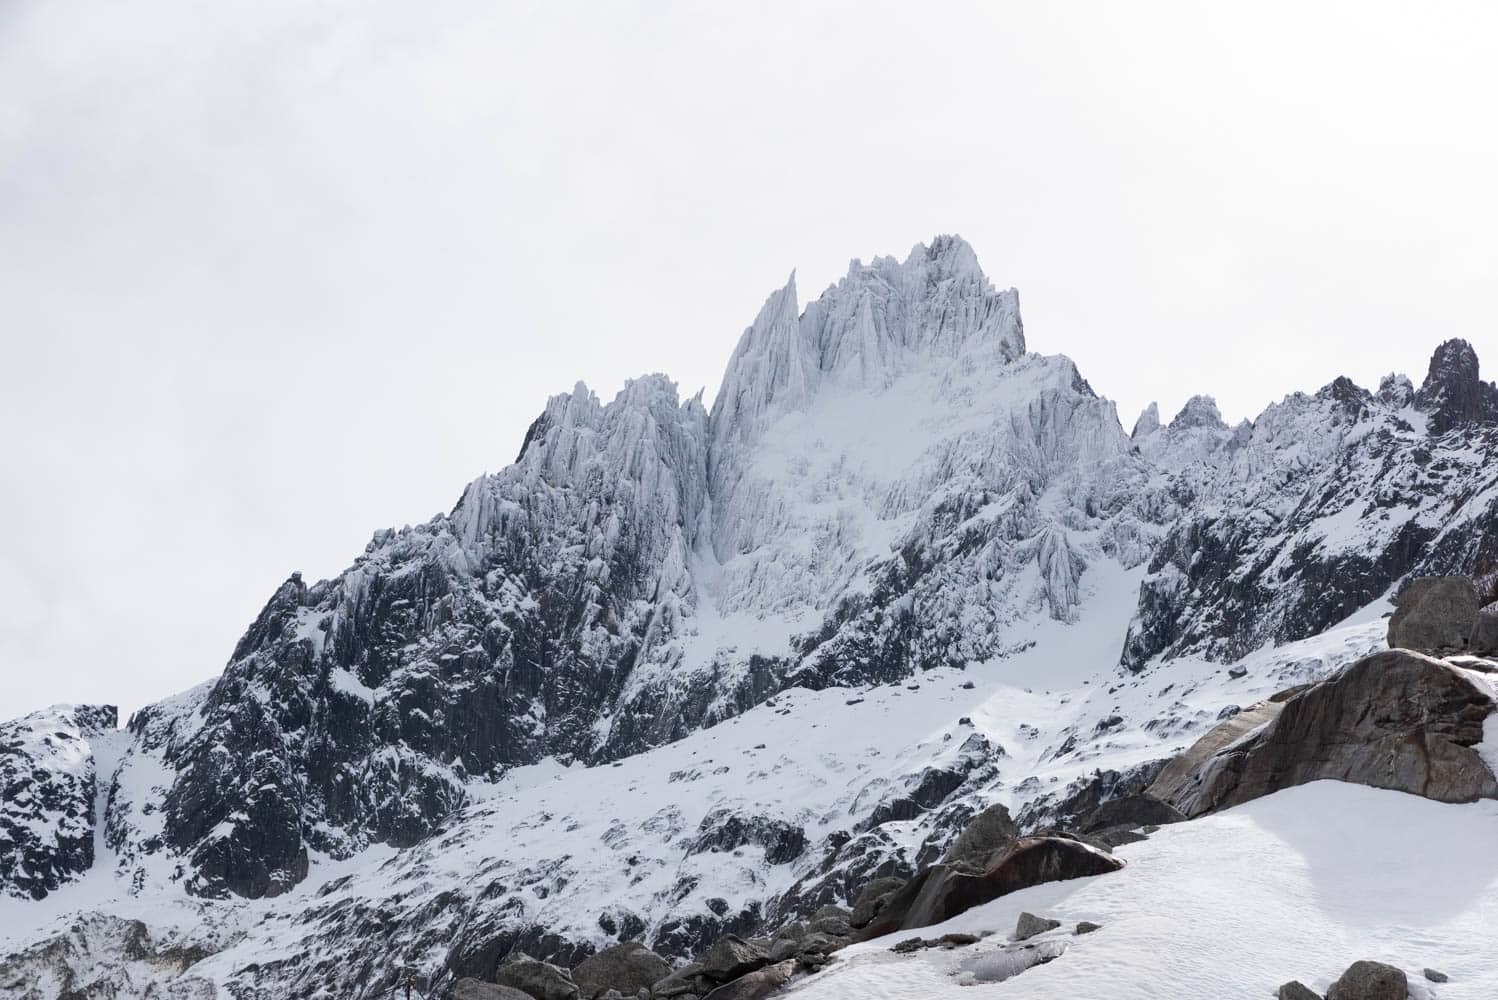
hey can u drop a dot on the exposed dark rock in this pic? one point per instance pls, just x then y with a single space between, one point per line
989 831
47 797
924 792
957 939
1436 977
626 967
753 985
1129 812
783 948
1453 394
731 957
474 989
907 945
832 926
1028 925
725 830
483 946
1395 720
872 899
941 892
693 934
541 980
793 931
1485 632
1087 927
821 944
1435 614
1367 980
1296 990
1049 813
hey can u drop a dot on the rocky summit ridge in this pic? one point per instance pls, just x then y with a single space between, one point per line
890 496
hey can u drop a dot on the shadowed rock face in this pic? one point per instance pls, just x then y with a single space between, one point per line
942 891
1396 720
1453 393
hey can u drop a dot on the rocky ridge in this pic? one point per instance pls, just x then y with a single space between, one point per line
889 497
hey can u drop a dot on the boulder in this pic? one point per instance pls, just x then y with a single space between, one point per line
1436 977
1087 927
833 926
686 980
942 891
1370 981
872 899
1296 990
753 985
1030 925
626 967
830 911
819 944
1129 812
984 834
957 939
541 980
784 948
1485 632
1182 772
1396 719
1435 614
476 989
731 957
795 930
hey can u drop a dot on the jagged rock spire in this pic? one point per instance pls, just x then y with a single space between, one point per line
1148 422
1452 392
1199 411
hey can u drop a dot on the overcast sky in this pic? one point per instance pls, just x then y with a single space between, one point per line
275 274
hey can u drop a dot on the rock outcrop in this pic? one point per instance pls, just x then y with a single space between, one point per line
1436 615
49 783
1453 394
1396 720
942 891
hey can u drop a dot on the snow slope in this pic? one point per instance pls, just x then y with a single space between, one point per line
554 856
1297 885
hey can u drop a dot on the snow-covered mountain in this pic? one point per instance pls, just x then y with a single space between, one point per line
675 672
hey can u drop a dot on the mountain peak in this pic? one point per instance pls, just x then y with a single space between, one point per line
1453 393
1199 411
881 320
1148 422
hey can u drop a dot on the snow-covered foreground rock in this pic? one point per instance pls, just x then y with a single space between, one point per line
1297 885
675 673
